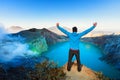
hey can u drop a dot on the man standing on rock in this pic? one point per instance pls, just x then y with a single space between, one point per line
74 40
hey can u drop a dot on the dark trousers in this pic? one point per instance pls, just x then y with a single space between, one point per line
77 55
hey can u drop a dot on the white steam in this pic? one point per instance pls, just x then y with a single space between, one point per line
12 47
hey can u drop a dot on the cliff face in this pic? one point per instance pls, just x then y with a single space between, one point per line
110 44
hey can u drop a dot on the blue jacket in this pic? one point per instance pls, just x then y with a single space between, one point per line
74 37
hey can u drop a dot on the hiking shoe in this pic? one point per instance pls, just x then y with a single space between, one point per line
68 69
79 68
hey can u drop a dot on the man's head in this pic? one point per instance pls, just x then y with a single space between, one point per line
74 29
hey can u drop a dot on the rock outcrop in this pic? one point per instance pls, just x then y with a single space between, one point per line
84 74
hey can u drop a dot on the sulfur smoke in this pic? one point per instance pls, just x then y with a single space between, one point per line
12 47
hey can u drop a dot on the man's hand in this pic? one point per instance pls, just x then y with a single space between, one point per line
57 24
95 24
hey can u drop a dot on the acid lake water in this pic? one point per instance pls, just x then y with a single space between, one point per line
89 56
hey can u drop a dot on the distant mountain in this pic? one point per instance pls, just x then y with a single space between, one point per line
14 29
34 33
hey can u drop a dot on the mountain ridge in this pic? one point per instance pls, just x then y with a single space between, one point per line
51 37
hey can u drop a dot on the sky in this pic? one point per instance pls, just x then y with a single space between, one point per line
69 13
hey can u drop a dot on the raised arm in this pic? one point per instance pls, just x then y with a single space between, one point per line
62 29
88 30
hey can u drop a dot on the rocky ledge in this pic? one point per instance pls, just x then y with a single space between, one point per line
84 74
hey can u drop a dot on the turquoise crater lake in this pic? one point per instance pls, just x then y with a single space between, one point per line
89 55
